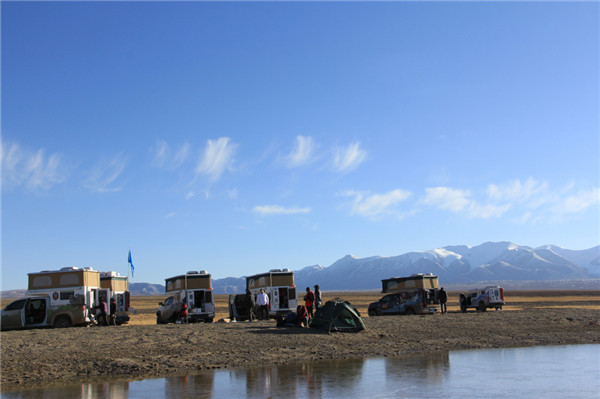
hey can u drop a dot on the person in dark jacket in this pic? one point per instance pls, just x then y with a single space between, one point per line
443 298
103 308
112 318
250 302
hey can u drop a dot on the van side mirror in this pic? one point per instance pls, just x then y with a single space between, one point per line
161 304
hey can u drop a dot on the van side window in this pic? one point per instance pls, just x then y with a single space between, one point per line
66 295
16 305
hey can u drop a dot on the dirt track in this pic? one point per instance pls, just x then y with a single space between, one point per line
54 356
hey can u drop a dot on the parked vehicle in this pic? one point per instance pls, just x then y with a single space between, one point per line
279 286
43 311
416 294
115 286
491 297
194 289
67 287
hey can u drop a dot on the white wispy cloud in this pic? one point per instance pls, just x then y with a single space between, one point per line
278 210
163 156
578 202
377 205
105 173
531 191
218 156
348 158
32 170
302 153
457 200
447 198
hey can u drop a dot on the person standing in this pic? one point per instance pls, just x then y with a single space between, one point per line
250 303
443 298
112 318
263 304
309 300
103 310
318 298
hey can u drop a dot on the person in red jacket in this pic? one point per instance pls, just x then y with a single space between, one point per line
309 300
183 314
302 316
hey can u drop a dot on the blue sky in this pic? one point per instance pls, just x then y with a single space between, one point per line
240 137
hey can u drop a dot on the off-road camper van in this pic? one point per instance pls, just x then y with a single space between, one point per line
115 286
69 295
194 289
407 295
279 286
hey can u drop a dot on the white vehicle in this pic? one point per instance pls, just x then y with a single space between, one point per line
115 286
279 286
194 289
489 297
65 287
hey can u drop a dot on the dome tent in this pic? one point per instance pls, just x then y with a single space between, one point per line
338 315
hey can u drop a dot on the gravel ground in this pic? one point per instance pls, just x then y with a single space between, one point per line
35 358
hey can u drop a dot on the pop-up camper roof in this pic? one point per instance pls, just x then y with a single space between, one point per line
114 281
67 277
425 281
273 278
190 281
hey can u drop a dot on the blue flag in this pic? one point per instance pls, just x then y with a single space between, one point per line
131 263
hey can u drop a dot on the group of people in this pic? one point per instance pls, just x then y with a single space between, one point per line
302 316
106 315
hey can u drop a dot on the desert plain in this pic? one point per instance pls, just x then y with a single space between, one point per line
142 349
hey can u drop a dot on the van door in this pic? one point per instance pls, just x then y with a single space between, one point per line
13 315
35 312
283 298
275 305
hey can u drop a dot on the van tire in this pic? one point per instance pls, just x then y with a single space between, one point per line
62 322
372 313
481 307
463 309
410 311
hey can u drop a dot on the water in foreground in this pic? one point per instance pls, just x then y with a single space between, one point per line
571 371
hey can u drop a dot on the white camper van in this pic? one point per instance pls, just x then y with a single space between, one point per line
194 289
114 286
279 286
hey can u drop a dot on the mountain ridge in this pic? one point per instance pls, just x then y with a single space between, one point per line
454 264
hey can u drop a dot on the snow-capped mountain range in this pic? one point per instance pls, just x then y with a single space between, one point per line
453 264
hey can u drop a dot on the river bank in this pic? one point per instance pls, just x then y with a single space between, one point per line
37 358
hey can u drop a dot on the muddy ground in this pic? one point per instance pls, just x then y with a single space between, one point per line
46 357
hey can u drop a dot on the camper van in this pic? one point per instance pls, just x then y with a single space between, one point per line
194 289
279 286
43 311
115 286
491 297
70 289
407 295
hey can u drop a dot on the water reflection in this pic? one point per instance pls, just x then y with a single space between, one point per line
308 379
560 371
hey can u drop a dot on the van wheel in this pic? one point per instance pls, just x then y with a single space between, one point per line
481 307
158 320
372 313
62 322
410 311
463 309
208 320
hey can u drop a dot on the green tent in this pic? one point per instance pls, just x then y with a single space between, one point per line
338 315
